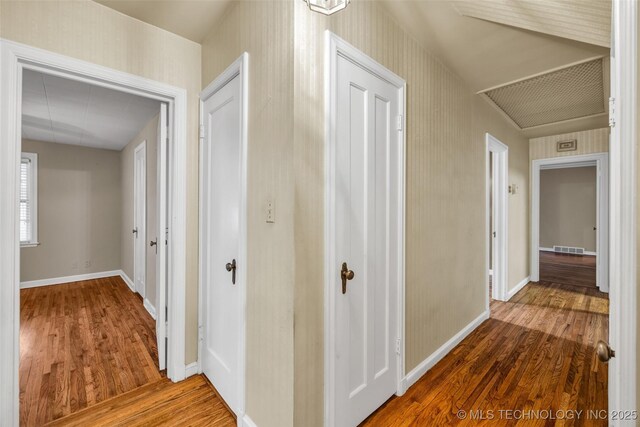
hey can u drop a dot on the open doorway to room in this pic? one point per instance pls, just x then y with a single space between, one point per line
570 220
568 232
89 191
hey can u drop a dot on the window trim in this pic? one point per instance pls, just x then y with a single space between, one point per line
33 199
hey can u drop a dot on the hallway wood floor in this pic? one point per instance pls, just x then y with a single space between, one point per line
82 343
192 402
568 269
536 352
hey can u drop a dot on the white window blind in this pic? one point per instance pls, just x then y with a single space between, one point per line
28 202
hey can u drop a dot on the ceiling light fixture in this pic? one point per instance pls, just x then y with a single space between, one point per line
327 7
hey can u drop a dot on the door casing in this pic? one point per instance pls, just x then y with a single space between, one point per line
334 47
601 162
240 68
14 57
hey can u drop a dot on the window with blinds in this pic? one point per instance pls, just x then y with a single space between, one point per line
28 202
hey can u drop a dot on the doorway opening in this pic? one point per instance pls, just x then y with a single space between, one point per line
92 274
570 220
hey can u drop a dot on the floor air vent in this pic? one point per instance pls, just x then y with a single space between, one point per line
568 250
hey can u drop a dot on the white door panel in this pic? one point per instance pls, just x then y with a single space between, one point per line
365 228
140 217
161 233
221 228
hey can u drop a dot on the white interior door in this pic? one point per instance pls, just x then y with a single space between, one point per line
140 217
222 279
161 232
367 183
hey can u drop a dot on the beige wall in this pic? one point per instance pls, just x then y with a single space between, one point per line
92 32
568 206
445 248
589 141
149 134
265 30
78 212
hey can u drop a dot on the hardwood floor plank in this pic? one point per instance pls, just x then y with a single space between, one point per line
536 352
82 343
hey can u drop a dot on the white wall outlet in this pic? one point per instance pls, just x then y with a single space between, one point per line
271 212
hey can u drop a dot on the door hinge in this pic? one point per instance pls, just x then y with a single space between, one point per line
399 122
398 347
166 236
612 112
201 131
166 313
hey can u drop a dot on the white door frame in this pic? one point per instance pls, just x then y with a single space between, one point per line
14 57
623 197
239 68
601 161
500 218
141 229
334 47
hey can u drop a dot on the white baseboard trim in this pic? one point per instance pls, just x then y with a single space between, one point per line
585 252
246 422
517 288
412 377
69 279
192 369
128 281
150 308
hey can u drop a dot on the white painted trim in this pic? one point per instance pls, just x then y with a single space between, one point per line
500 248
590 253
246 421
150 308
601 161
623 280
240 67
518 287
586 163
541 73
127 280
192 369
68 279
14 57
428 363
141 235
334 47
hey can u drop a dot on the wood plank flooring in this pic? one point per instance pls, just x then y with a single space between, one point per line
82 343
192 402
536 352
568 269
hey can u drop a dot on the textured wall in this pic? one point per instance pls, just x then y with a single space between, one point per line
79 198
264 30
89 31
568 201
445 247
149 134
589 141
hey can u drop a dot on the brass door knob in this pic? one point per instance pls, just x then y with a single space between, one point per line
231 266
604 352
346 274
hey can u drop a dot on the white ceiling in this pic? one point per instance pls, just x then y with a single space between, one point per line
586 21
66 111
488 54
191 19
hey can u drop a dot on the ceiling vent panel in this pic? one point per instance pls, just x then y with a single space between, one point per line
569 93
